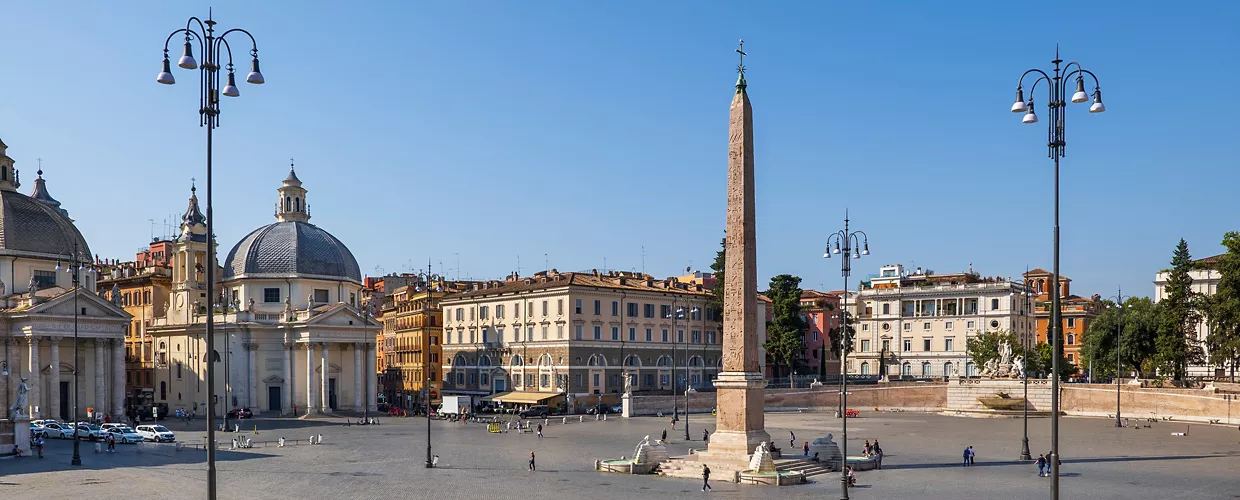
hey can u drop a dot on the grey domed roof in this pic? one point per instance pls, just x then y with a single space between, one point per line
291 249
32 228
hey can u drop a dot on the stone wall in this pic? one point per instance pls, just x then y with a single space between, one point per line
1182 404
918 396
963 394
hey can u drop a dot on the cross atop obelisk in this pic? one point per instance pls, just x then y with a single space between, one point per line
741 386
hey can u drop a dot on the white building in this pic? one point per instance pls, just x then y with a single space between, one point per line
289 328
1205 282
922 321
41 312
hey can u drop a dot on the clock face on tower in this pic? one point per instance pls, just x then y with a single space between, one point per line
180 301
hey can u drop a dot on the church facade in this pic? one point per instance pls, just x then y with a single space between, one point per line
47 309
291 331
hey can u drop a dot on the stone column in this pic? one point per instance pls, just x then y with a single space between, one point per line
251 379
741 386
287 390
118 380
9 347
53 384
33 398
324 375
359 387
372 377
100 399
310 405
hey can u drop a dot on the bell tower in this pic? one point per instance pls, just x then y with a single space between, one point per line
189 261
8 174
292 203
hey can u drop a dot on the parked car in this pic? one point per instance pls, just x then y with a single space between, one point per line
89 431
124 434
240 413
36 430
52 429
44 422
536 411
602 409
111 425
157 433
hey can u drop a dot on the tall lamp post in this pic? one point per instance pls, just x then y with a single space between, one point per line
77 265
1024 373
688 384
429 462
1057 93
847 242
211 47
674 313
1119 335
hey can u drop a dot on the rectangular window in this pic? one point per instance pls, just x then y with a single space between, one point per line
949 344
1071 322
577 331
485 379
925 326
632 335
544 380
529 309
925 345
908 327
472 312
577 306
271 295
598 308
482 312
970 324
680 336
865 327
908 345
648 310
529 333
886 345
544 332
710 337
615 308
886 308
544 307
499 336
516 380
596 380
559 306
664 381
47 279
665 334
649 380
695 314
865 346
632 309
598 333
320 296
994 304
615 333
948 325
665 311
579 375
649 335
970 306
499 311
473 378
559 331
696 336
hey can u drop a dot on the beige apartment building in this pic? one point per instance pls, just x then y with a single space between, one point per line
570 338
917 325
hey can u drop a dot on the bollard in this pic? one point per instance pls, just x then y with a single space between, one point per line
597 417
236 428
604 417
565 420
281 445
581 418
546 422
255 429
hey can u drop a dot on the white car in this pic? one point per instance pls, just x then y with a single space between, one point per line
157 433
89 431
124 434
57 430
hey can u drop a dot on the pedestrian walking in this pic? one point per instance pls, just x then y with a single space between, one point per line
866 449
966 457
664 438
673 423
111 442
532 468
38 446
878 453
1041 465
792 439
805 448
706 478
972 454
705 436
539 431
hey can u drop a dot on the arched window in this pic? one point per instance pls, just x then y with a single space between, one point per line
577 361
1071 339
925 369
516 360
296 204
288 203
598 360
665 361
459 360
695 361
215 356
947 369
633 361
906 369
969 369
484 360
4 173
865 368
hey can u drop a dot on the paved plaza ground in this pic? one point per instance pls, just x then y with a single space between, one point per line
386 461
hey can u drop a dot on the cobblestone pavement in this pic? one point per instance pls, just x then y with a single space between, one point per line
387 461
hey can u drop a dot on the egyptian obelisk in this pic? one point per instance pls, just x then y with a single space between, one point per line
741 386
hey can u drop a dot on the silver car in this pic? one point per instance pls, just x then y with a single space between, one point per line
124 435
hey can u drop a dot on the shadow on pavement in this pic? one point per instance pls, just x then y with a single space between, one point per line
1066 461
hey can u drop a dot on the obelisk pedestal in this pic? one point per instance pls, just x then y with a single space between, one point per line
741 386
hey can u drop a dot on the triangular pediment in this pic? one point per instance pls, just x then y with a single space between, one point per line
87 304
340 315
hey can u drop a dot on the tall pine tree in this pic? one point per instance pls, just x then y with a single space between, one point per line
785 335
1223 309
1176 343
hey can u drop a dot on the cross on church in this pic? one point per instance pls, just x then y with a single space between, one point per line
290 163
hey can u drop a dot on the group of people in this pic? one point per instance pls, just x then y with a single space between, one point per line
874 451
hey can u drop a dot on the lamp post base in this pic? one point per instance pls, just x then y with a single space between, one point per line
1024 449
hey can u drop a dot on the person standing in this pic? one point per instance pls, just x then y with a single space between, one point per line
705 436
792 439
866 449
664 439
972 454
673 422
111 442
532 468
706 478
1041 465
878 453
539 431
805 449
966 457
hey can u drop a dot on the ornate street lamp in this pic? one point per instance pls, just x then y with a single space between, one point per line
211 47
77 266
1057 95
1119 336
847 244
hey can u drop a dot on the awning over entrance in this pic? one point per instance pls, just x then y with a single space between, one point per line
522 397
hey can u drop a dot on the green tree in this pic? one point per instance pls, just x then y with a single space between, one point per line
1137 344
785 334
717 268
1223 309
1176 341
984 346
836 335
1041 362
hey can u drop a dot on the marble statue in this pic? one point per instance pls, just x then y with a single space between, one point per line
827 450
1018 366
33 286
19 404
251 307
1005 353
288 309
309 301
990 369
116 294
628 386
761 460
3 288
648 452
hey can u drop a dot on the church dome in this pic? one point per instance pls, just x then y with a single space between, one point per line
291 249
35 228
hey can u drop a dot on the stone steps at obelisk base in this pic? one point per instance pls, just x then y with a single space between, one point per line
690 467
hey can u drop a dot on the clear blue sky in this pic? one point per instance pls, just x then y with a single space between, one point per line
589 130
